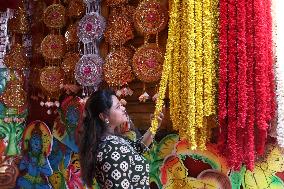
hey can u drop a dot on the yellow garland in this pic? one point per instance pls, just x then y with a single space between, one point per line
175 76
189 69
166 66
199 63
191 80
183 68
208 57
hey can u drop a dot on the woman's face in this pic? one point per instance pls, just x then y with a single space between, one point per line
117 114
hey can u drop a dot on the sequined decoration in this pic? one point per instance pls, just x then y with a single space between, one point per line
14 95
54 16
19 23
150 17
51 78
91 27
88 71
119 27
53 46
71 37
117 69
16 58
76 8
69 62
148 62
115 2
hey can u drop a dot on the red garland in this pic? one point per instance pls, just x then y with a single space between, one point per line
249 140
223 80
232 87
261 76
242 80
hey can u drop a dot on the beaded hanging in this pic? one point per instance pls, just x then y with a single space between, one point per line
88 70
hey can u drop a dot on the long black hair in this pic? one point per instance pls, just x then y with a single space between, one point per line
93 128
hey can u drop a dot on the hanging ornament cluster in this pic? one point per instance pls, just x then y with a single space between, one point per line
119 30
16 60
53 49
150 18
246 79
88 70
74 11
189 69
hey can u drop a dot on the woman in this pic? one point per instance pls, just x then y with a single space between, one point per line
113 160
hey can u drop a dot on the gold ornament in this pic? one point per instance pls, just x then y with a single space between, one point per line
53 46
148 62
71 37
19 23
14 96
16 59
115 2
119 28
54 16
76 8
117 69
51 78
150 17
69 62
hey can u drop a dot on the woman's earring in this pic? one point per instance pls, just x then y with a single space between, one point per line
107 122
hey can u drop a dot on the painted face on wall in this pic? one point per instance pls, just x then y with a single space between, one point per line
275 160
36 143
178 170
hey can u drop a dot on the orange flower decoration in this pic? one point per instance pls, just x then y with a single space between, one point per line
69 62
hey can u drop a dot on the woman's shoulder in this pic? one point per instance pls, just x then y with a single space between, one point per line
111 141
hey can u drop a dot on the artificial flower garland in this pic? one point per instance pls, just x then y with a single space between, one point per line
246 90
189 64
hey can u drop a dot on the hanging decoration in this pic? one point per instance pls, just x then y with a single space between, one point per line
54 16
117 69
246 98
16 58
119 28
148 62
88 70
150 17
75 8
118 32
189 71
53 46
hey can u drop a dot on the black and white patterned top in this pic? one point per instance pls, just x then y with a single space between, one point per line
121 165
